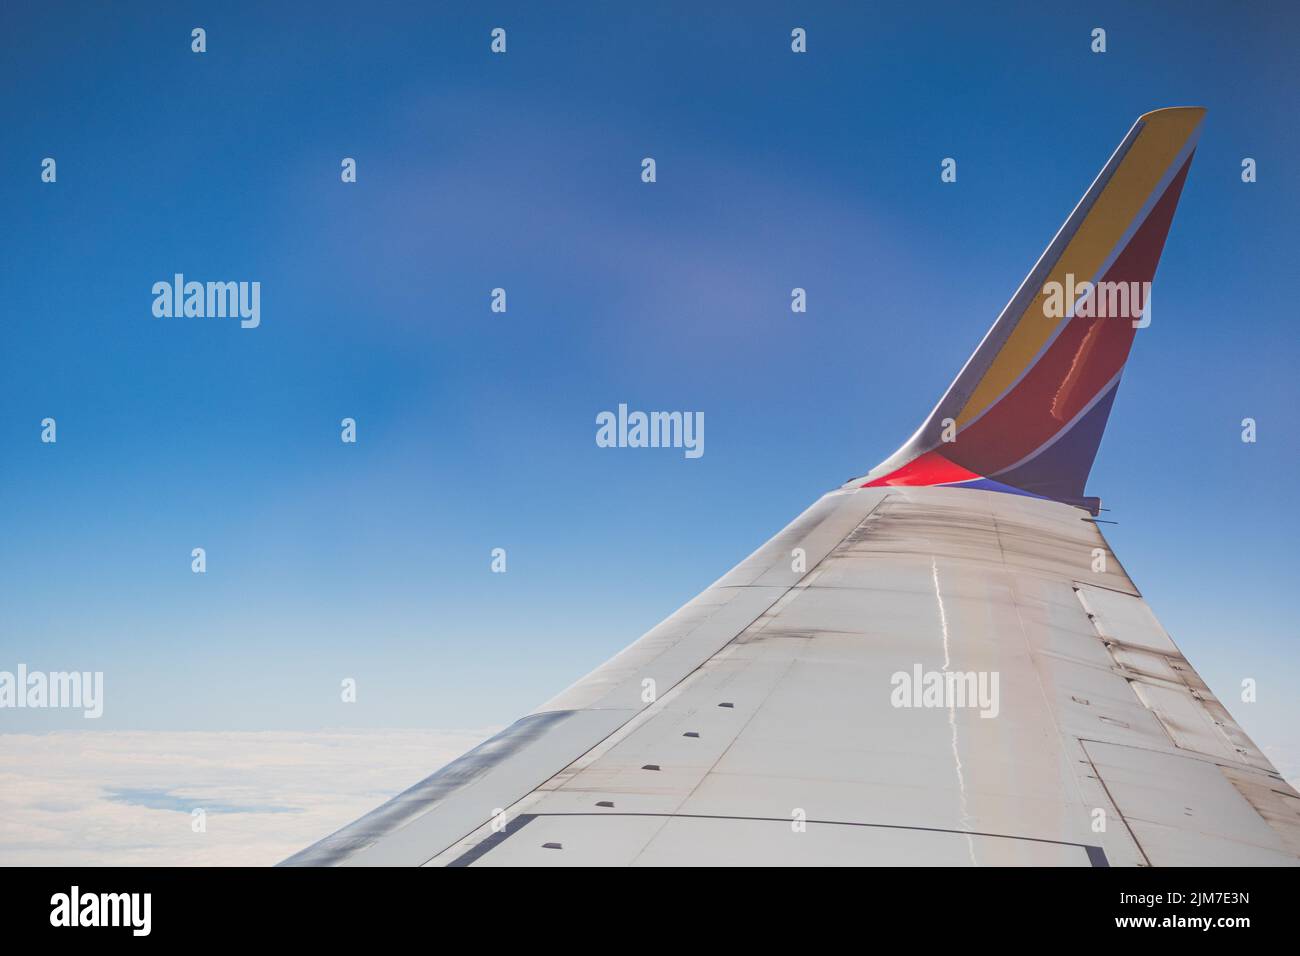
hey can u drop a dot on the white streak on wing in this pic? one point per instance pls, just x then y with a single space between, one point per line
952 708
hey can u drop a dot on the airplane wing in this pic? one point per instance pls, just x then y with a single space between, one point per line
940 662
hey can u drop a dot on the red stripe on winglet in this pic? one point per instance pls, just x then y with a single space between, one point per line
930 469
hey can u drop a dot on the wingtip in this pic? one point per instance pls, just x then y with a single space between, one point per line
1023 415
1173 112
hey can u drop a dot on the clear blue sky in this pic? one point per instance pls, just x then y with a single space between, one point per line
477 430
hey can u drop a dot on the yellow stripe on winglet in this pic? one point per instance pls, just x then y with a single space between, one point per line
1157 146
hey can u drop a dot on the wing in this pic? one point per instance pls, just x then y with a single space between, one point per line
938 663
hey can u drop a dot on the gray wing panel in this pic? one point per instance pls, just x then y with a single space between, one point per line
499 769
427 818
773 734
788 746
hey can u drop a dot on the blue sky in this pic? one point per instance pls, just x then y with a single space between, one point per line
476 430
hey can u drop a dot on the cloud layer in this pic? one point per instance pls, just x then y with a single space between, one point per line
126 798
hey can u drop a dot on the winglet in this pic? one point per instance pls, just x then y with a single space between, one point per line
1027 411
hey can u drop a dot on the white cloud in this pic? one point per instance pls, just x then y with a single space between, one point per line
61 801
